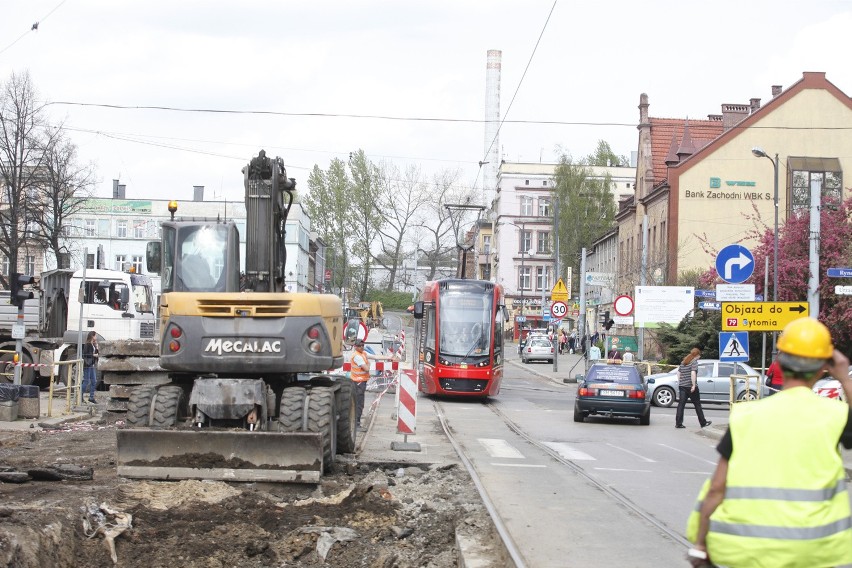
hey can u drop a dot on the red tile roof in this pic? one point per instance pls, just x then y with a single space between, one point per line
702 133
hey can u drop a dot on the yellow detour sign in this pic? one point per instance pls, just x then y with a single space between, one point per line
761 316
559 292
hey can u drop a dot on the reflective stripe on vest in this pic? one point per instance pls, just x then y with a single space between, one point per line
786 502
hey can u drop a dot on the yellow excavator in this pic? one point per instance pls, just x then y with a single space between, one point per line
249 398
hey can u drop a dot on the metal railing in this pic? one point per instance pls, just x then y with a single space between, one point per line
747 378
71 389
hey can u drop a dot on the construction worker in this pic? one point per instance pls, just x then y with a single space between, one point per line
360 374
778 495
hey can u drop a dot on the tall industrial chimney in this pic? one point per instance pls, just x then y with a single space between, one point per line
492 125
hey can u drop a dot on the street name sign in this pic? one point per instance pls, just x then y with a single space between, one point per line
843 290
559 293
705 293
761 316
734 264
840 272
710 306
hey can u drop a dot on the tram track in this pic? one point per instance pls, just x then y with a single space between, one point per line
616 495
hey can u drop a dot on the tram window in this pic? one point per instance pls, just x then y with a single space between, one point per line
430 328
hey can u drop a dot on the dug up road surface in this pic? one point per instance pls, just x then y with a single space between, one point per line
377 509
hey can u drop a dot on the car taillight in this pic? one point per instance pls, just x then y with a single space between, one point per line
636 394
175 331
174 346
313 333
529 349
551 349
586 392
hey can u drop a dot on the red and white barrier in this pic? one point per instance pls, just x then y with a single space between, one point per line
376 366
406 414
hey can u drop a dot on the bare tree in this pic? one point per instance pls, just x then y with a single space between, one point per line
438 242
62 194
23 138
400 197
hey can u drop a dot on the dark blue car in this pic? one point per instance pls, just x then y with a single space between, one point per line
613 390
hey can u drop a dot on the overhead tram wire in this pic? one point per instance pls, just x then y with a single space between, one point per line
34 27
515 94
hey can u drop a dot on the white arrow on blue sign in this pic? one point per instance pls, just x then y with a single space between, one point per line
733 346
840 272
735 264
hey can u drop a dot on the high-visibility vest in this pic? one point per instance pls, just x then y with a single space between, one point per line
357 373
786 502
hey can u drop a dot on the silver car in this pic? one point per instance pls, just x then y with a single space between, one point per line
714 383
537 348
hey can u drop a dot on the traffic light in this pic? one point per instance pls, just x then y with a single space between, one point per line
17 294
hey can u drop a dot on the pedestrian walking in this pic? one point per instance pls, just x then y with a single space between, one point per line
628 356
688 388
91 353
563 341
778 495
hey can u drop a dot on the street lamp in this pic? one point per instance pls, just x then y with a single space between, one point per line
759 153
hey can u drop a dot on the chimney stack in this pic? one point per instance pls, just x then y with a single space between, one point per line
732 115
755 104
776 90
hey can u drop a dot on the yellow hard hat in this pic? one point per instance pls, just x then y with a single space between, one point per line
806 337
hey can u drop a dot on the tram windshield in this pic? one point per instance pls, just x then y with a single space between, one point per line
465 320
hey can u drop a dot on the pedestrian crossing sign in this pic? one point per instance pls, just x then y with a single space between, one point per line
733 346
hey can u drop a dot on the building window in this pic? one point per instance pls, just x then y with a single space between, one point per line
136 263
526 182
486 244
120 262
90 261
4 265
544 207
29 264
485 269
525 243
526 206
542 278
544 183
524 278
138 229
121 229
90 228
806 170
543 242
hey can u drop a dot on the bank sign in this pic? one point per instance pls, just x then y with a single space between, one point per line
728 189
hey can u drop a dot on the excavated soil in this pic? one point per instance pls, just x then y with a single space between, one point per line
376 515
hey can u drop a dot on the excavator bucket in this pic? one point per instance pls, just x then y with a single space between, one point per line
222 455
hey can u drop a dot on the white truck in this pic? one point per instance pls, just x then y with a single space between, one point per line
118 306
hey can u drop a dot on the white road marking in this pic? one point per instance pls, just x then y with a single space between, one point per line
695 472
688 454
500 449
568 452
621 469
518 464
643 458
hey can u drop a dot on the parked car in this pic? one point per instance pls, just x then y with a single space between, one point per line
533 334
714 383
539 348
613 390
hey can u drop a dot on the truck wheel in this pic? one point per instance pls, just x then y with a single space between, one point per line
322 418
169 404
139 406
27 373
346 426
291 410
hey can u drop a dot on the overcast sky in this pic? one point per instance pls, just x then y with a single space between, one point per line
403 59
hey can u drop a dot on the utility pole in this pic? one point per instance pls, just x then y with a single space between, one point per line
581 332
813 248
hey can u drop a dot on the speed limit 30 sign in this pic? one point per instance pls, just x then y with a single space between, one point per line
558 310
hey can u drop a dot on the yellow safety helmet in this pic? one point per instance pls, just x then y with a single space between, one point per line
806 337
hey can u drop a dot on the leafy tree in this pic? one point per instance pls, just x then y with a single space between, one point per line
604 156
586 209
366 217
328 206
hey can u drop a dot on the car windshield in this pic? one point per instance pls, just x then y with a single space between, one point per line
539 343
613 374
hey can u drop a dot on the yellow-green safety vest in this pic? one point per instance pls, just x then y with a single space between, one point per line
786 502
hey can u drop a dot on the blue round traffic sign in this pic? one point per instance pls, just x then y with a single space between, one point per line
735 264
